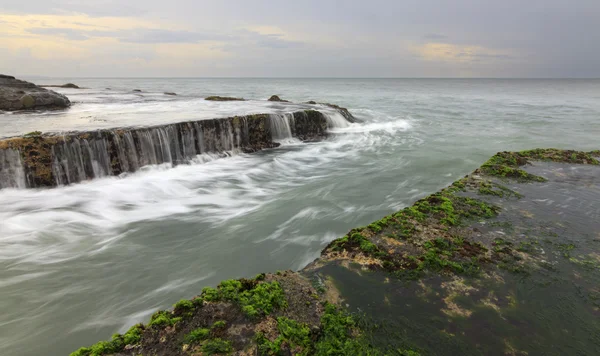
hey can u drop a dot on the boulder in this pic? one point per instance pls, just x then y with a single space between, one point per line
276 98
18 94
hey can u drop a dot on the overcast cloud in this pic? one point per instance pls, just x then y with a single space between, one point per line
376 38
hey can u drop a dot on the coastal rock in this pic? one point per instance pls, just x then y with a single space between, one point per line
276 98
68 86
223 98
137 90
169 93
345 113
18 94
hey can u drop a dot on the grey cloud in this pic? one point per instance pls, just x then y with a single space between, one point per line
435 36
139 35
98 8
544 38
68 33
168 36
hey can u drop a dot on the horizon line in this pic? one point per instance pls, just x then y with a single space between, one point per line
250 77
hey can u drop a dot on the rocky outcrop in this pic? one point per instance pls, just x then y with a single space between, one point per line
347 115
68 86
18 94
223 98
276 98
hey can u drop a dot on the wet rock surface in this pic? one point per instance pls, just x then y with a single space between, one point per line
223 98
18 94
277 98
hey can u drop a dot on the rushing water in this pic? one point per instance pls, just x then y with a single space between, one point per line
81 262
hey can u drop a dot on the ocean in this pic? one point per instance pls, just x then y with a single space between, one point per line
81 262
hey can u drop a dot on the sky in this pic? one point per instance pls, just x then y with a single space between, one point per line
300 38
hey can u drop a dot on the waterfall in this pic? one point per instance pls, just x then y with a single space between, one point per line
52 160
281 126
12 174
336 120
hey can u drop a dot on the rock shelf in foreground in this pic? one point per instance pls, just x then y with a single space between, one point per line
505 261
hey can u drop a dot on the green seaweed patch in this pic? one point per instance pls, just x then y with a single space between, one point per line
292 335
498 190
506 164
184 307
197 335
256 298
33 134
586 262
557 155
219 324
132 337
434 215
163 318
217 346
355 240
341 335
565 249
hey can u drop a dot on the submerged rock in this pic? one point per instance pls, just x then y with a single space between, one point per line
223 98
18 94
169 93
276 98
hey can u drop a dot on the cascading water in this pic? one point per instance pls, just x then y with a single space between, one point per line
75 157
336 120
11 169
281 126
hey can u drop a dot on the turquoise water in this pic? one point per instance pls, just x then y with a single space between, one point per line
79 263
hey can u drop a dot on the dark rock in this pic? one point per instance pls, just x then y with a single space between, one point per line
276 98
18 94
68 85
169 93
137 90
223 98
311 102
345 113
